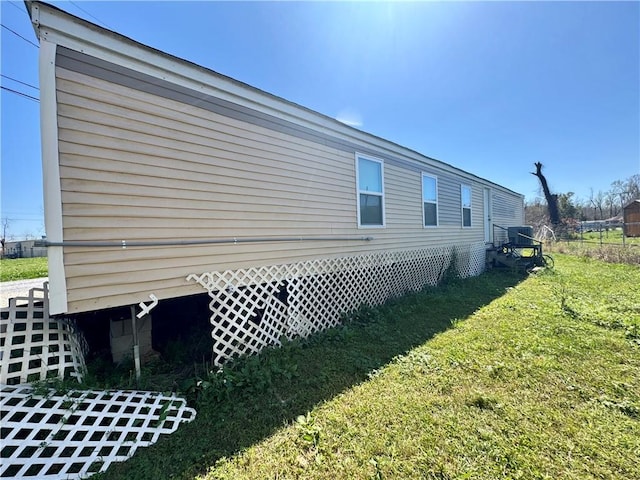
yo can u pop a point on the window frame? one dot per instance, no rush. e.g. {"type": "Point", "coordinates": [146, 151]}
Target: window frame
{"type": "Point", "coordinates": [358, 157]}
{"type": "Point", "coordinates": [435, 179]}
{"type": "Point", "coordinates": [462, 206]}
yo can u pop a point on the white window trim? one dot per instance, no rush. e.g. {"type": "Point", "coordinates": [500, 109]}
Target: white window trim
{"type": "Point", "coordinates": [424, 174]}
{"type": "Point", "coordinates": [462, 207]}
{"type": "Point", "coordinates": [358, 156]}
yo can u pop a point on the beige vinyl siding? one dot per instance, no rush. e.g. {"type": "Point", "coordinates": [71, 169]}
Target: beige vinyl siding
{"type": "Point", "coordinates": [507, 210]}
{"type": "Point", "coordinates": [402, 205]}
{"type": "Point", "coordinates": [131, 171]}
{"type": "Point", "coordinates": [449, 209]}
{"type": "Point", "coordinates": [138, 167]}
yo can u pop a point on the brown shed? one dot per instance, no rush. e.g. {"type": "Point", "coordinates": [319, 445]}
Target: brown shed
{"type": "Point", "coordinates": [631, 219]}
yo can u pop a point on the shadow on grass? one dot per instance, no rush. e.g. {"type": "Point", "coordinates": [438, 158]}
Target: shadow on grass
{"type": "Point", "coordinates": [275, 387]}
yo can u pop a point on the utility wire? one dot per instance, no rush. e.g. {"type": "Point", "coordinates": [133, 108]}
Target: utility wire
{"type": "Point", "coordinates": [23, 11]}
{"type": "Point", "coordinates": [95, 18]}
{"type": "Point", "coordinates": [16, 33]}
{"type": "Point", "coordinates": [18, 81]}
{"type": "Point", "coordinates": [35, 99]}
{"type": "Point", "coordinates": [73, 3]}
{"type": "Point", "coordinates": [31, 219]}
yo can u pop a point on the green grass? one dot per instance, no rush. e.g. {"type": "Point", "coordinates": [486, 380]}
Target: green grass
{"type": "Point", "coordinates": [609, 250]}
{"type": "Point", "coordinates": [614, 237]}
{"type": "Point", "coordinates": [23, 268]}
{"type": "Point", "coordinates": [487, 378]}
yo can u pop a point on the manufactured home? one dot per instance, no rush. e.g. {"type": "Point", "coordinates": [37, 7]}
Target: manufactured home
{"type": "Point", "coordinates": [165, 179]}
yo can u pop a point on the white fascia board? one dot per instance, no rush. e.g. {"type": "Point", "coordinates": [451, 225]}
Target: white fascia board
{"type": "Point", "coordinates": [51, 177]}
{"type": "Point", "coordinates": [64, 29]}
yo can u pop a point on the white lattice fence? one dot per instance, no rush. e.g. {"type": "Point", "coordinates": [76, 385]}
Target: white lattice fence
{"type": "Point", "coordinates": [80, 433]}
{"type": "Point", "coordinates": [34, 346]}
{"type": "Point", "coordinates": [254, 308]}
{"type": "Point", "coordinates": [471, 260]}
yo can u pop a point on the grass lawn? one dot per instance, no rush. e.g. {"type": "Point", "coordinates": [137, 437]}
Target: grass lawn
{"type": "Point", "coordinates": [609, 248]}
{"type": "Point", "coordinates": [613, 236]}
{"type": "Point", "coordinates": [490, 377]}
{"type": "Point", "coordinates": [23, 268]}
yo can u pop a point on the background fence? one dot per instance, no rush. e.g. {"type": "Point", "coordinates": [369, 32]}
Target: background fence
{"type": "Point", "coordinates": [593, 233]}
{"type": "Point", "coordinates": [601, 234]}
{"type": "Point", "coordinates": [606, 243]}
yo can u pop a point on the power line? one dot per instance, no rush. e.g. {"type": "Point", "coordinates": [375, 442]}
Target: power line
{"type": "Point", "coordinates": [23, 11]}
{"type": "Point", "coordinates": [73, 3]}
{"type": "Point", "coordinates": [19, 93]}
{"type": "Point", "coordinates": [18, 81]}
{"type": "Point", "coordinates": [26, 212]}
{"type": "Point", "coordinates": [32, 220]}
{"type": "Point", "coordinates": [16, 33]}
{"type": "Point", "coordinates": [95, 18]}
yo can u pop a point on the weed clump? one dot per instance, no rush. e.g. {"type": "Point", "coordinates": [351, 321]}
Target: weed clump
{"type": "Point", "coordinates": [629, 255]}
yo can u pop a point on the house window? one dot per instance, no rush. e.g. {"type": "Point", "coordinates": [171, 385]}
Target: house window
{"type": "Point", "coordinates": [370, 179]}
{"type": "Point", "coordinates": [465, 197]}
{"type": "Point", "coordinates": [429, 200]}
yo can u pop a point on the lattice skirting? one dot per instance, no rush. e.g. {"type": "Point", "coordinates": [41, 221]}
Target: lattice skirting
{"type": "Point", "coordinates": [82, 432]}
{"type": "Point", "coordinates": [256, 307]}
{"type": "Point", "coordinates": [34, 346]}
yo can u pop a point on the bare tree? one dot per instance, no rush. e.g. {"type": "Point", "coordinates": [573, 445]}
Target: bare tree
{"type": "Point", "coordinates": [632, 186]}
{"type": "Point", "coordinates": [552, 200]}
{"type": "Point", "coordinates": [611, 203]}
{"type": "Point", "coordinates": [597, 201]}
{"type": "Point", "coordinates": [5, 227]}
{"type": "Point", "coordinates": [619, 189]}
{"type": "Point", "coordinates": [535, 213]}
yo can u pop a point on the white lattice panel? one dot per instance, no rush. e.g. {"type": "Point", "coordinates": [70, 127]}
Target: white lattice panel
{"type": "Point", "coordinates": [82, 432]}
{"type": "Point", "coordinates": [476, 263]}
{"type": "Point", "coordinates": [34, 346]}
{"type": "Point", "coordinates": [254, 308]}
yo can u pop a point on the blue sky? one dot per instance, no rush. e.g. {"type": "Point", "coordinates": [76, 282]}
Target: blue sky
{"type": "Point", "coordinates": [489, 87]}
